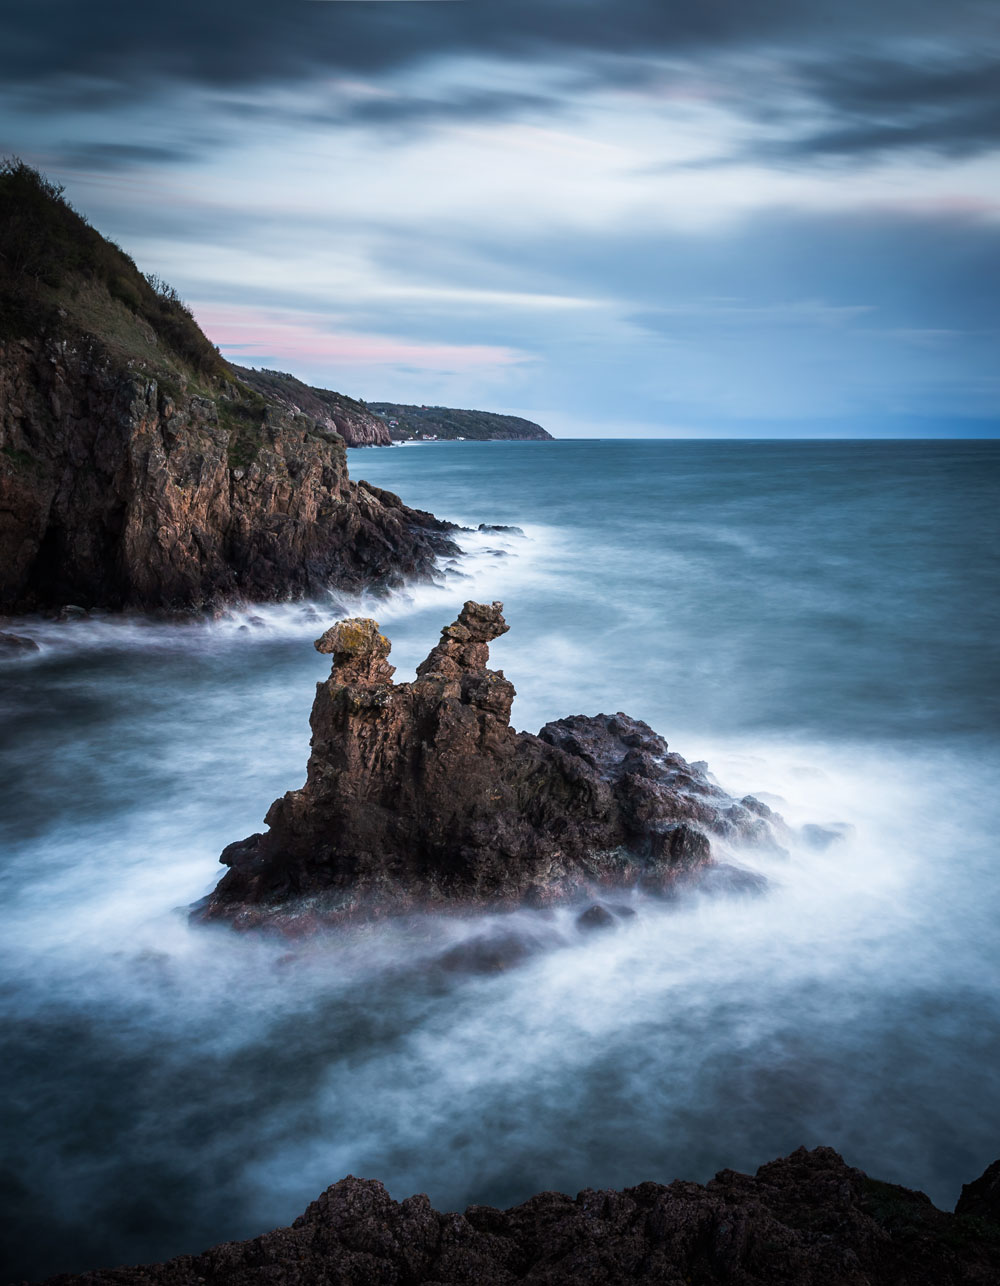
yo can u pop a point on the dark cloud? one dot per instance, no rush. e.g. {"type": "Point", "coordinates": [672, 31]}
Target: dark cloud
{"type": "Point", "coordinates": [951, 106]}
{"type": "Point", "coordinates": [843, 58]}
{"type": "Point", "coordinates": [223, 43]}
{"type": "Point", "coordinates": [121, 156]}
{"type": "Point", "coordinates": [402, 111]}
{"type": "Point", "coordinates": [482, 104]}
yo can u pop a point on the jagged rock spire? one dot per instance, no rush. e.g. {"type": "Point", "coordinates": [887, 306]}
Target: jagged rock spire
{"type": "Point", "coordinates": [464, 644]}
{"type": "Point", "coordinates": [359, 652]}
{"type": "Point", "coordinates": [421, 794]}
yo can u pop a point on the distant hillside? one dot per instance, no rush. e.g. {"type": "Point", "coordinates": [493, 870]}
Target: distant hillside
{"type": "Point", "coordinates": [138, 468]}
{"type": "Point", "coordinates": [415, 422]}
{"type": "Point", "coordinates": [351, 419]}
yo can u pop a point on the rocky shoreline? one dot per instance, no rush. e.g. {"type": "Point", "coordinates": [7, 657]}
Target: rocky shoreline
{"type": "Point", "coordinates": [807, 1219]}
{"type": "Point", "coordinates": [421, 796]}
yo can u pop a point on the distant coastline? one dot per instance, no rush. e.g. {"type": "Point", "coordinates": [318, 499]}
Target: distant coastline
{"type": "Point", "coordinates": [449, 424]}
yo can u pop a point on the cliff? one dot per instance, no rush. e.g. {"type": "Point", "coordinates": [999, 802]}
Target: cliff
{"type": "Point", "coordinates": [137, 468]}
{"type": "Point", "coordinates": [421, 795]}
{"type": "Point", "coordinates": [804, 1220]}
{"type": "Point", "coordinates": [413, 422]}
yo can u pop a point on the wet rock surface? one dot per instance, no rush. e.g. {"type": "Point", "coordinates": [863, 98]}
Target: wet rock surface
{"type": "Point", "coordinates": [804, 1220]}
{"type": "Point", "coordinates": [422, 796]}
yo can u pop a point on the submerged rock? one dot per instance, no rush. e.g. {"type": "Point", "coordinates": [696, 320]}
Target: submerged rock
{"type": "Point", "coordinates": [500, 527]}
{"type": "Point", "coordinates": [821, 837]}
{"type": "Point", "coordinates": [804, 1220]}
{"type": "Point", "coordinates": [595, 917]}
{"type": "Point", "coordinates": [19, 643]}
{"type": "Point", "coordinates": [494, 952]}
{"type": "Point", "coordinates": [421, 795]}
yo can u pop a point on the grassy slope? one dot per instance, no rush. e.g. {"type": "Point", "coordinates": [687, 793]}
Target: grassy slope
{"type": "Point", "coordinates": [58, 274]}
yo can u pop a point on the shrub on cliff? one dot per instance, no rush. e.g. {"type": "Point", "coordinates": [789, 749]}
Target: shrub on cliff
{"type": "Point", "coordinates": [48, 251]}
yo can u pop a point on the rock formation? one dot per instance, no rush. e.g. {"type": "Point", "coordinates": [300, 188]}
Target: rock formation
{"type": "Point", "coordinates": [137, 469]}
{"type": "Point", "coordinates": [805, 1220]}
{"type": "Point", "coordinates": [421, 795]}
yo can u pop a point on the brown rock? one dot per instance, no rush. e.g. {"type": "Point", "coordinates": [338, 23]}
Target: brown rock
{"type": "Point", "coordinates": [139, 469]}
{"type": "Point", "coordinates": [595, 917]}
{"type": "Point", "coordinates": [120, 495]}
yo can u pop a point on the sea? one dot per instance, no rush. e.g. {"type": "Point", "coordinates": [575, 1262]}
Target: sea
{"type": "Point", "coordinates": [819, 621]}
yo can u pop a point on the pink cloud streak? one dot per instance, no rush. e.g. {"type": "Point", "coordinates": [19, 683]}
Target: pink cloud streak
{"type": "Point", "coordinates": [276, 335]}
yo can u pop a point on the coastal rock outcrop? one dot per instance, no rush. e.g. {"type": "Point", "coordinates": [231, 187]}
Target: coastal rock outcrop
{"type": "Point", "coordinates": [805, 1220]}
{"type": "Point", "coordinates": [137, 467]}
{"type": "Point", "coordinates": [116, 492]}
{"type": "Point", "coordinates": [421, 795]}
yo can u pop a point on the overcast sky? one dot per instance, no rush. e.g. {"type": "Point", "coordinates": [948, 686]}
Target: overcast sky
{"type": "Point", "coordinates": [634, 217]}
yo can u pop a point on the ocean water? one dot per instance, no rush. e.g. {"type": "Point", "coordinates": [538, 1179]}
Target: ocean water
{"type": "Point", "coordinates": [818, 620]}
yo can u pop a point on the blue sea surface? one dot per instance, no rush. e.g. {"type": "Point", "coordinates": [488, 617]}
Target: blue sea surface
{"type": "Point", "coordinates": [818, 620]}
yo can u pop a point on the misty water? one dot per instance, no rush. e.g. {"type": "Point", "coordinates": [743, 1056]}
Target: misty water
{"type": "Point", "coordinates": [819, 621]}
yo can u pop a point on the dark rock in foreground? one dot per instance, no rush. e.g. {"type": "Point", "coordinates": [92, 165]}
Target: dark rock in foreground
{"type": "Point", "coordinates": [981, 1199]}
{"type": "Point", "coordinates": [805, 1220]}
{"type": "Point", "coordinates": [421, 796]}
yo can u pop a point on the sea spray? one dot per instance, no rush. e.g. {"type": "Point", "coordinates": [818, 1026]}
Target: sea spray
{"type": "Point", "coordinates": [174, 1086]}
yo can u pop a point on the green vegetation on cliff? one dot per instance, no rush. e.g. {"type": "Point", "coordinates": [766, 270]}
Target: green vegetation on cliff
{"type": "Point", "coordinates": [412, 423]}
{"type": "Point", "coordinates": [347, 416]}
{"type": "Point", "coordinates": [57, 273]}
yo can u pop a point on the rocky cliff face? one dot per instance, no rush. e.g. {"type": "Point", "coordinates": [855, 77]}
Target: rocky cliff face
{"type": "Point", "coordinates": [421, 795]}
{"type": "Point", "coordinates": [117, 489]}
{"type": "Point", "coordinates": [805, 1220]}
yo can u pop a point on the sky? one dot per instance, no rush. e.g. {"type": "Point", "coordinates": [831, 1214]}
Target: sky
{"type": "Point", "coordinates": [728, 218]}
